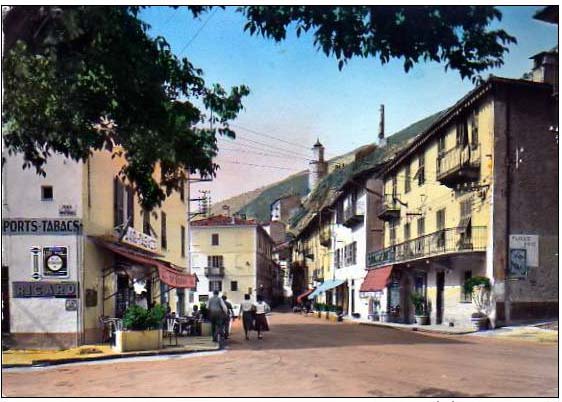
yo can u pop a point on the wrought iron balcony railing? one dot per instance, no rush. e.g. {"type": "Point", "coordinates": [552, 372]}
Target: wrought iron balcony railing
{"type": "Point", "coordinates": [214, 271]}
{"type": "Point", "coordinates": [390, 208]}
{"type": "Point", "coordinates": [458, 165]}
{"type": "Point", "coordinates": [445, 241]}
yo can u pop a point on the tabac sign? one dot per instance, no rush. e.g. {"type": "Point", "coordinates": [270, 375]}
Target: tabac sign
{"type": "Point", "coordinates": [56, 226]}
{"type": "Point", "coordinates": [139, 239]}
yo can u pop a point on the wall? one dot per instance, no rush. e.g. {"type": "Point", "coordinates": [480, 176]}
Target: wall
{"type": "Point", "coordinates": [41, 322]}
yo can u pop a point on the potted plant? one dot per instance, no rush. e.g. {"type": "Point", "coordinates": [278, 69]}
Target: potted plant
{"type": "Point", "coordinates": [142, 329]}
{"type": "Point", "coordinates": [385, 317]}
{"type": "Point", "coordinates": [480, 289]}
{"type": "Point", "coordinates": [420, 308]}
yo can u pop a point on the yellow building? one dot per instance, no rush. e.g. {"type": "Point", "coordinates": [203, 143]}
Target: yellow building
{"type": "Point", "coordinates": [456, 198]}
{"type": "Point", "coordinates": [234, 256]}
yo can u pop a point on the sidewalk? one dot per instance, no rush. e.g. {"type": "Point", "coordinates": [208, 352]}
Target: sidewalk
{"type": "Point", "coordinates": [29, 358]}
{"type": "Point", "coordinates": [437, 329]}
{"type": "Point", "coordinates": [542, 333]}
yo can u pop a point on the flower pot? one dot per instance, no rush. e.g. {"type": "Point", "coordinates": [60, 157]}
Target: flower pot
{"type": "Point", "coordinates": [422, 319]}
{"type": "Point", "coordinates": [129, 341]}
{"type": "Point", "coordinates": [479, 323]}
{"type": "Point", "coordinates": [385, 317]}
{"type": "Point", "coordinates": [206, 329]}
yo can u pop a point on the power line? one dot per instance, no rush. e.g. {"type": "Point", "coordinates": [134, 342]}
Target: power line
{"type": "Point", "coordinates": [269, 136]}
{"type": "Point", "coordinates": [258, 153]}
{"type": "Point", "coordinates": [267, 149]}
{"type": "Point", "coordinates": [198, 32]}
{"type": "Point", "coordinates": [256, 165]}
{"type": "Point", "coordinates": [270, 147]}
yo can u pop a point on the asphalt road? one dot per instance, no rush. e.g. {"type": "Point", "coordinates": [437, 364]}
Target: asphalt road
{"type": "Point", "coordinates": [306, 356]}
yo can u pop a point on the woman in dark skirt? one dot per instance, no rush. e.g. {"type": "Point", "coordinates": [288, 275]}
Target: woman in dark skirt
{"type": "Point", "coordinates": [248, 309]}
{"type": "Point", "coordinates": [262, 308]}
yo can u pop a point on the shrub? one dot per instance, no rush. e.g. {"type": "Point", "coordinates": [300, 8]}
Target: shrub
{"type": "Point", "coordinates": [204, 311]}
{"type": "Point", "coordinates": [139, 319]}
{"type": "Point", "coordinates": [470, 283]}
{"type": "Point", "coordinates": [418, 300]}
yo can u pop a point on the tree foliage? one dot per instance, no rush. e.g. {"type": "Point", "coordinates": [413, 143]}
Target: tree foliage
{"type": "Point", "coordinates": [78, 79]}
{"type": "Point", "coordinates": [82, 78]}
{"type": "Point", "coordinates": [458, 36]}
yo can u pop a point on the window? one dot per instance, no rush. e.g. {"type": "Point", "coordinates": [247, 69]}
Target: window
{"type": "Point", "coordinates": [421, 170]}
{"type": "Point", "coordinates": [214, 261]}
{"type": "Point", "coordinates": [250, 291]}
{"type": "Point", "coordinates": [146, 222]}
{"type": "Point", "coordinates": [350, 254]}
{"type": "Point", "coordinates": [182, 239]}
{"type": "Point", "coordinates": [466, 297]}
{"type": "Point", "coordinates": [215, 239]}
{"type": "Point", "coordinates": [46, 193]}
{"type": "Point", "coordinates": [339, 212]}
{"type": "Point", "coordinates": [130, 206]}
{"type": "Point", "coordinates": [392, 233]}
{"type": "Point", "coordinates": [394, 186]}
{"type": "Point", "coordinates": [338, 258]}
{"type": "Point", "coordinates": [441, 145]}
{"type": "Point", "coordinates": [407, 232]}
{"type": "Point", "coordinates": [163, 236]}
{"type": "Point", "coordinates": [215, 285]}
{"type": "Point", "coordinates": [180, 302]}
{"type": "Point", "coordinates": [421, 226]}
{"type": "Point", "coordinates": [118, 212]}
{"type": "Point", "coordinates": [474, 130]}
{"type": "Point", "coordinates": [234, 286]}
{"type": "Point", "coordinates": [440, 219]}
{"type": "Point", "coordinates": [407, 184]}
{"type": "Point", "coordinates": [462, 133]}
{"type": "Point", "coordinates": [164, 295]}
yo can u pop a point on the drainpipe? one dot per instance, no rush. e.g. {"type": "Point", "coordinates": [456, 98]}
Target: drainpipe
{"type": "Point", "coordinates": [508, 199]}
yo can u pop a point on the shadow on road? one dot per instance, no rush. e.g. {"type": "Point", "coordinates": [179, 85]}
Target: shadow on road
{"type": "Point", "coordinates": [445, 393]}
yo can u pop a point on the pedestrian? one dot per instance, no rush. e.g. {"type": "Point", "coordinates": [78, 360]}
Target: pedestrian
{"type": "Point", "coordinates": [229, 315]}
{"type": "Point", "coordinates": [248, 310]}
{"type": "Point", "coordinates": [262, 308]}
{"type": "Point", "coordinates": [217, 311]}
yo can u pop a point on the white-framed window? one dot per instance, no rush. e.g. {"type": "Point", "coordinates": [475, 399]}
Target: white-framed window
{"type": "Point", "coordinates": [215, 285]}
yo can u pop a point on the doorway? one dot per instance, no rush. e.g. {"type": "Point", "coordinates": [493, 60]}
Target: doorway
{"type": "Point", "coordinates": [440, 282]}
{"type": "Point", "coordinates": [5, 288]}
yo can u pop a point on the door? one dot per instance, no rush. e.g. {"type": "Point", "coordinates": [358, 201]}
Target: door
{"type": "Point", "coordinates": [440, 281]}
{"type": "Point", "coordinates": [5, 301]}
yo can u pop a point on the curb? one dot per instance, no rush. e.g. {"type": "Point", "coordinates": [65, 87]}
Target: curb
{"type": "Point", "coordinates": [419, 329]}
{"type": "Point", "coordinates": [47, 362]}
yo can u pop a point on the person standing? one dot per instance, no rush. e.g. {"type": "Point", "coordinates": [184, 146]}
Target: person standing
{"type": "Point", "coordinates": [229, 315]}
{"type": "Point", "coordinates": [217, 311]}
{"type": "Point", "coordinates": [262, 308]}
{"type": "Point", "coordinates": [247, 310]}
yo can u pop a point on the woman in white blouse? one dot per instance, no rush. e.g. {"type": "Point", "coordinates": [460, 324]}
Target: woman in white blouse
{"type": "Point", "coordinates": [262, 308]}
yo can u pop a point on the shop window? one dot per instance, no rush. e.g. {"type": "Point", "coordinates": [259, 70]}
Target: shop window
{"type": "Point", "coordinates": [234, 286]}
{"type": "Point", "coordinates": [466, 297]}
{"type": "Point", "coordinates": [46, 193]}
{"type": "Point", "coordinates": [215, 239]}
{"type": "Point", "coordinates": [215, 285]}
{"type": "Point", "coordinates": [163, 234]}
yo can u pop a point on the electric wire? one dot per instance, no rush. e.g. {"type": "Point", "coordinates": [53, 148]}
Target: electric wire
{"type": "Point", "coordinates": [266, 149]}
{"type": "Point", "coordinates": [259, 153]}
{"type": "Point", "coordinates": [257, 165]}
{"type": "Point", "coordinates": [197, 33]}
{"type": "Point", "coordinates": [269, 136]}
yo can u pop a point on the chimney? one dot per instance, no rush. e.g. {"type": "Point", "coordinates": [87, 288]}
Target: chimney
{"type": "Point", "coordinates": [545, 67]}
{"type": "Point", "coordinates": [382, 140]}
{"type": "Point", "coordinates": [318, 167]}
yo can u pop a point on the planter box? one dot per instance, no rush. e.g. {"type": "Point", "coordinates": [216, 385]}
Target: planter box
{"type": "Point", "coordinates": [324, 315]}
{"type": "Point", "coordinates": [206, 329]}
{"type": "Point", "coordinates": [130, 341]}
{"type": "Point", "coordinates": [422, 319]}
{"type": "Point", "coordinates": [333, 317]}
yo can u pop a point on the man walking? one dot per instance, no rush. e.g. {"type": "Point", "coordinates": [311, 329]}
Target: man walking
{"type": "Point", "coordinates": [227, 317]}
{"type": "Point", "coordinates": [217, 312]}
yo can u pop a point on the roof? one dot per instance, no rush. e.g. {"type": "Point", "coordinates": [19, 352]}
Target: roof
{"type": "Point", "coordinates": [223, 220]}
{"type": "Point", "coordinates": [547, 14]}
{"type": "Point", "coordinates": [330, 188]}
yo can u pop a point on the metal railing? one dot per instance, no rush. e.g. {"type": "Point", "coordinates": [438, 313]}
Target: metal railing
{"type": "Point", "coordinates": [214, 271]}
{"type": "Point", "coordinates": [445, 241]}
{"type": "Point", "coordinates": [390, 203]}
{"type": "Point", "coordinates": [458, 157]}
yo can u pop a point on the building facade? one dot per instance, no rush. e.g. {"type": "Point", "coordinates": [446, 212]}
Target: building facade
{"type": "Point", "coordinates": [77, 247]}
{"type": "Point", "coordinates": [234, 256]}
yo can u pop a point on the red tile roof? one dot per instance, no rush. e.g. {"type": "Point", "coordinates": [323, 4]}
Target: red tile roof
{"type": "Point", "coordinates": [222, 220]}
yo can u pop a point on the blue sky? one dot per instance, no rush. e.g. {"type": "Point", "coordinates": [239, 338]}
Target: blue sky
{"type": "Point", "coordinates": [298, 94]}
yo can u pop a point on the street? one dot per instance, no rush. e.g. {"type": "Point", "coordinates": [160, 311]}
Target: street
{"type": "Point", "coordinates": [307, 356]}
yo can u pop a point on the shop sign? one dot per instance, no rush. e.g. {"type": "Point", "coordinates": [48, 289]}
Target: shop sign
{"type": "Point", "coordinates": [139, 239]}
{"type": "Point", "coordinates": [67, 290]}
{"type": "Point", "coordinates": [55, 261]}
{"type": "Point", "coordinates": [530, 243]}
{"type": "Point", "coordinates": [67, 210]}
{"type": "Point", "coordinates": [58, 226]}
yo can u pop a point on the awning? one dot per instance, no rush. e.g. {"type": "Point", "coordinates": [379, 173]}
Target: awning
{"type": "Point", "coordinates": [324, 286]}
{"type": "Point", "coordinates": [463, 224]}
{"type": "Point", "coordinates": [376, 279]}
{"type": "Point", "coordinates": [170, 276]}
{"type": "Point", "coordinates": [302, 296]}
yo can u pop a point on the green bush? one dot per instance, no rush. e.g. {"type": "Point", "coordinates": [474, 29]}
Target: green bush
{"type": "Point", "coordinates": [418, 300]}
{"type": "Point", "coordinates": [204, 310]}
{"type": "Point", "coordinates": [470, 283]}
{"type": "Point", "coordinates": [139, 319]}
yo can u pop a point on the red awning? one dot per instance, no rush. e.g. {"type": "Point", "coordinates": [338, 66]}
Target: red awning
{"type": "Point", "coordinates": [376, 279]}
{"type": "Point", "coordinates": [302, 296]}
{"type": "Point", "coordinates": [170, 276]}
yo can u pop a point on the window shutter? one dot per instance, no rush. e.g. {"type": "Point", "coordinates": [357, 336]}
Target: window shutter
{"type": "Point", "coordinates": [131, 205]}
{"type": "Point", "coordinates": [115, 187]}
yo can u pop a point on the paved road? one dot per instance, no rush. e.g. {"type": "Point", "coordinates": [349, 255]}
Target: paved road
{"type": "Point", "coordinates": [305, 356]}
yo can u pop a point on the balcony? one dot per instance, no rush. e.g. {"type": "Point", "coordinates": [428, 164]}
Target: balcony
{"type": "Point", "coordinates": [390, 208]}
{"type": "Point", "coordinates": [352, 216]}
{"type": "Point", "coordinates": [326, 237]}
{"type": "Point", "coordinates": [459, 165]}
{"type": "Point", "coordinates": [214, 271]}
{"type": "Point", "coordinates": [318, 275]}
{"type": "Point", "coordinates": [442, 242]}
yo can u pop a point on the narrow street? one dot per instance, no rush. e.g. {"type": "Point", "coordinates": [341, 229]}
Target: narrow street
{"type": "Point", "coordinates": [306, 356]}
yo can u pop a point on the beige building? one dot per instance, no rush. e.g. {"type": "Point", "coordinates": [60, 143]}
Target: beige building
{"type": "Point", "coordinates": [234, 256]}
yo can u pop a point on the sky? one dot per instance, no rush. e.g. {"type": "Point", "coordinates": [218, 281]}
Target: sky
{"type": "Point", "coordinates": [298, 94]}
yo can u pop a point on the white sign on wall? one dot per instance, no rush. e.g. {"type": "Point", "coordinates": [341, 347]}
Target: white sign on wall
{"type": "Point", "coordinates": [529, 243]}
{"type": "Point", "coordinates": [139, 239]}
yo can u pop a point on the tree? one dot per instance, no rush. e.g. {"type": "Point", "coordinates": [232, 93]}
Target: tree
{"type": "Point", "coordinates": [81, 78]}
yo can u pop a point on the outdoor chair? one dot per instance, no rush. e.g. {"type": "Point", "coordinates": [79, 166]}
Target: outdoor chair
{"type": "Point", "coordinates": [170, 330]}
